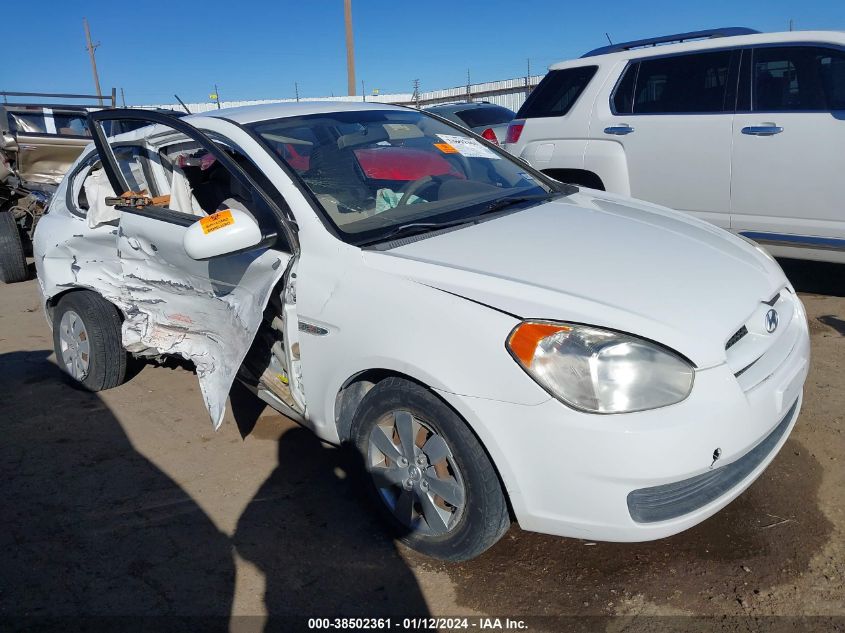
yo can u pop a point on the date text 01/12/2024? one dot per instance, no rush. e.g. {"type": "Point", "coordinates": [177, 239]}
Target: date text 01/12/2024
{"type": "Point", "coordinates": [418, 624]}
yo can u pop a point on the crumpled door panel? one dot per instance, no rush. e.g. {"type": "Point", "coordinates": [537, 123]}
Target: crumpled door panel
{"type": "Point", "coordinates": [205, 311]}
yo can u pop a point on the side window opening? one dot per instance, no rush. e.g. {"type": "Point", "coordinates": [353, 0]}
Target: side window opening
{"type": "Point", "coordinates": [679, 84]}
{"type": "Point", "coordinates": [131, 160]}
{"type": "Point", "coordinates": [557, 92]}
{"type": "Point", "coordinates": [89, 187]}
{"type": "Point", "coordinates": [623, 96]}
{"type": "Point", "coordinates": [178, 173]}
{"type": "Point", "coordinates": [201, 185]}
{"type": "Point", "coordinates": [798, 79]}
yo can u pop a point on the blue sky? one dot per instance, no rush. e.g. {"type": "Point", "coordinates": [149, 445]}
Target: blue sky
{"type": "Point", "coordinates": [258, 50]}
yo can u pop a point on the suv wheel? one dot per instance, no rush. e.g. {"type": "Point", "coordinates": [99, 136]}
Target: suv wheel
{"type": "Point", "coordinates": [12, 260]}
{"type": "Point", "coordinates": [428, 473]}
{"type": "Point", "coordinates": [87, 340]}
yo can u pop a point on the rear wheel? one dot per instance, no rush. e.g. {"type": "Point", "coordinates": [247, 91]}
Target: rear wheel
{"type": "Point", "coordinates": [428, 473]}
{"type": "Point", "coordinates": [87, 340]}
{"type": "Point", "coordinates": [12, 260]}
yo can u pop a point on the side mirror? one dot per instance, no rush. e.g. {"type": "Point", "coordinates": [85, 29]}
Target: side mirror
{"type": "Point", "coordinates": [221, 233]}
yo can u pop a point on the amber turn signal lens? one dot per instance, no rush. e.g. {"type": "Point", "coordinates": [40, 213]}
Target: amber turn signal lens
{"type": "Point", "coordinates": [525, 338]}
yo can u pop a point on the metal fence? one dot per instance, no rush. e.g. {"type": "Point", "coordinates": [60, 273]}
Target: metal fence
{"type": "Point", "coordinates": [509, 93]}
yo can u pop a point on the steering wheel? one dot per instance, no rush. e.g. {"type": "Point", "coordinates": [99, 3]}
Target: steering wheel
{"type": "Point", "coordinates": [415, 185]}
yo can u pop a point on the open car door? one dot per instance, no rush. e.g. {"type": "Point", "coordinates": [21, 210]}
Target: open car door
{"type": "Point", "coordinates": [206, 309]}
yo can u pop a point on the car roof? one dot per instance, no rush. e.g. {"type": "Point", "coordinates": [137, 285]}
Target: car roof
{"type": "Point", "coordinates": [261, 112]}
{"type": "Point", "coordinates": [786, 37]}
{"type": "Point", "coordinates": [269, 111]}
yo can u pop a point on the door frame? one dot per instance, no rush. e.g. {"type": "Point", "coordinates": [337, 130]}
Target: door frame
{"type": "Point", "coordinates": [270, 222]}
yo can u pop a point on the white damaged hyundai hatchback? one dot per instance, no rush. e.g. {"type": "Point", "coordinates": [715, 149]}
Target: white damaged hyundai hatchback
{"type": "Point", "coordinates": [496, 345]}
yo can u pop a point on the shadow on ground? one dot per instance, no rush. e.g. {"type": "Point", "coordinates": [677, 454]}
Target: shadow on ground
{"type": "Point", "coordinates": [821, 278]}
{"type": "Point", "coordinates": [89, 526]}
{"type": "Point", "coordinates": [321, 548]}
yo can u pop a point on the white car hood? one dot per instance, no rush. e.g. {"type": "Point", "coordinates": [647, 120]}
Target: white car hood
{"type": "Point", "coordinates": [606, 261]}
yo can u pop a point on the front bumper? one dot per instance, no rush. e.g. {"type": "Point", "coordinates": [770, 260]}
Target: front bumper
{"type": "Point", "coordinates": [573, 474]}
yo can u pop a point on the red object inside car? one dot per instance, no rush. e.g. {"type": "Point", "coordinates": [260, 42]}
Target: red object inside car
{"type": "Point", "coordinates": [402, 163]}
{"type": "Point", "coordinates": [300, 162]}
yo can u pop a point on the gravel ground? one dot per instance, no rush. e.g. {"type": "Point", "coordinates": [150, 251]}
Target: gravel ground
{"type": "Point", "coordinates": [128, 503]}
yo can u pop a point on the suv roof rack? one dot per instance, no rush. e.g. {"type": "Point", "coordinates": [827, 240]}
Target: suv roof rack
{"type": "Point", "coordinates": [728, 31]}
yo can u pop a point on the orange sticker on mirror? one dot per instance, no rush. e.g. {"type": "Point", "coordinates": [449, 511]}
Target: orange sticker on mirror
{"type": "Point", "coordinates": [446, 148]}
{"type": "Point", "coordinates": [216, 221]}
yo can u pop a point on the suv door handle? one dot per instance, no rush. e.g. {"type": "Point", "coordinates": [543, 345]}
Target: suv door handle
{"type": "Point", "coordinates": [619, 130]}
{"type": "Point", "coordinates": [762, 130]}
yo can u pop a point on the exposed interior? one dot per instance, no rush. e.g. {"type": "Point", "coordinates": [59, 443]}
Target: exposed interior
{"type": "Point", "coordinates": [178, 174]}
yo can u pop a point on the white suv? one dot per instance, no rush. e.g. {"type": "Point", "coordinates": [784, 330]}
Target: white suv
{"type": "Point", "coordinates": [743, 129]}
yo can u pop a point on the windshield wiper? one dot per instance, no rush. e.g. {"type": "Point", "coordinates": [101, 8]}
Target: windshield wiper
{"type": "Point", "coordinates": [414, 228]}
{"type": "Point", "coordinates": [509, 201]}
{"type": "Point", "coordinates": [417, 228]}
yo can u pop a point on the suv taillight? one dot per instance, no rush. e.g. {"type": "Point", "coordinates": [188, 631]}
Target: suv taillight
{"type": "Point", "coordinates": [514, 130]}
{"type": "Point", "coordinates": [490, 135]}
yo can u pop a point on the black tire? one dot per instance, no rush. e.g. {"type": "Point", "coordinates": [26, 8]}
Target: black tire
{"type": "Point", "coordinates": [102, 322]}
{"type": "Point", "coordinates": [484, 518]}
{"type": "Point", "coordinates": [12, 259]}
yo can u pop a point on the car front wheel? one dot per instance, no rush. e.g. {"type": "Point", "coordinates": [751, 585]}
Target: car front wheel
{"type": "Point", "coordinates": [87, 340]}
{"type": "Point", "coordinates": [428, 473]}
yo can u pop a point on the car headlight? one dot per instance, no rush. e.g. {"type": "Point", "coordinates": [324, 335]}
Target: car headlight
{"type": "Point", "coordinates": [600, 371]}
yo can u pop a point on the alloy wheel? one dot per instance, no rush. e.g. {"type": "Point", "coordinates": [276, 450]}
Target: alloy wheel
{"type": "Point", "coordinates": [415, 474]}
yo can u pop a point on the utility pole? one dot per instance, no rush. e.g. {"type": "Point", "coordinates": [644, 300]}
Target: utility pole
{"type": "Point", "coordinates": [122, 97]}
{"type": "Point", "coordinates": [90, 46]}
{"type": "Point", "coordinates": [350, 48]}
{"type": "Point", "coordinates": [469, 94]}
{"type": "Point", "coordinates": [296, 90]}
{"type": "Point", "coordinates": [528, 76]}
{"type": "Point", "coordinates": [416, 96]}
{"type": "Point", "coordinates": [363, 92]}
{"type": "Point", "coordinates": [790, 24]}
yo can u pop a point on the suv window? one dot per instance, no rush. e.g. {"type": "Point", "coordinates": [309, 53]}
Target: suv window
{"type": "Point", "coordinates": [48, 121]}
{"type": "Point", "coordinates": [677, 85]}
{"type": "Point", "coordinates": [557, 93]}
{"type": "Point", "coordinates": [482, 116]}
{"type": "Point", "coordinates": [798, 78]}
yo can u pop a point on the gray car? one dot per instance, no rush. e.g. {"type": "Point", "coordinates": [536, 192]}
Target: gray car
{"type": "Point", "coordinates": [485, 119]}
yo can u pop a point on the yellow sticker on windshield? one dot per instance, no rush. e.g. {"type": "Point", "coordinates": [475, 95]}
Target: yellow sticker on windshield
{"type": "Point", "coordinates": [446, 148]}
{"type": "Point", "coordinates": [216, 221]}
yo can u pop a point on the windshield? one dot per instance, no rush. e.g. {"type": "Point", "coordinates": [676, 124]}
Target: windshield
{"type": "Point", "coordinates": [374, 171]}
